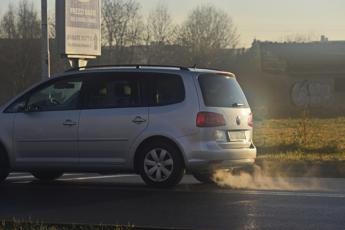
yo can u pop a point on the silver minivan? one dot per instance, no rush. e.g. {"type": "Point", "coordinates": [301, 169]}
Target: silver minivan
{"type": "Point", "coordinates": [159, 122]}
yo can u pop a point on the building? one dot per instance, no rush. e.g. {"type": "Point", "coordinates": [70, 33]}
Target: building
{"type": "Point", "coordinates": [295, 76]}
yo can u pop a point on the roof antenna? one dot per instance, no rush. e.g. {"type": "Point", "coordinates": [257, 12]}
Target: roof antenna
{"type": "Point", "coordinates": [194, 66]}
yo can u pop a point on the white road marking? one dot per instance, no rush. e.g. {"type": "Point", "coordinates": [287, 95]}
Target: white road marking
{"type": "Point", "coordinates": [67, 179]}
{"type": "Point", "coordinates": [96, 177]}
{"type": "Point", "coordinates": [16, 174]}
{"type": "Point", "coordinates": [73, 174]}
{"type": "Point", "coordinates": [20, 177]}
{"type": "Point", "coordinates": [28, 175]}
{"type": "Point", "coordinates": [216, 190]}
{"type": "Point", "coordinates": [336, 194]}
{"type": "Point", "coordinates": [288, 193]}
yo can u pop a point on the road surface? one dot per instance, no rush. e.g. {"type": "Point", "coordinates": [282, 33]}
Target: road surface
{"type": "Point", "coordinates": [123, 199]}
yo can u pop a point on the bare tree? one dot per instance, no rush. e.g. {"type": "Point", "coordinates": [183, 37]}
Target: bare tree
{"type": "Point", "coordinates": [28, 24]}
{"type": "Point", "coordinates": [21, 27]}
{"type": "Point", "coordinates": [160, 26]}
{"type": "Point", "coordinates": [206, 31]}
{"type": "Point", "coordinates": [8, 24]}
{"type": "Point", "coordinates": [160, 33]}
{"type": "Point", "coordinates": [21, 22]}
{"type": "Point", "coordinates": [122, 25]}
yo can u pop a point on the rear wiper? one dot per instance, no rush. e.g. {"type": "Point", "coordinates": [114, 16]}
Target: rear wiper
{"type": "Point", "coordinates": [237, 105]}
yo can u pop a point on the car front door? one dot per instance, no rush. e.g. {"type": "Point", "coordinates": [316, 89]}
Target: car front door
{"type": "Point", "coordinates": [114, 114]}
{"type": "Point", "coordinates": [46, 131]}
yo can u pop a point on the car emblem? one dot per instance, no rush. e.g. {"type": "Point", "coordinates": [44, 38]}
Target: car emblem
{"type": "Point", "coordinates": [238, 120]}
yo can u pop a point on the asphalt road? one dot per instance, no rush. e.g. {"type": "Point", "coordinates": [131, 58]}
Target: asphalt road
{"type": "Point", "coordinates": [123, 199]}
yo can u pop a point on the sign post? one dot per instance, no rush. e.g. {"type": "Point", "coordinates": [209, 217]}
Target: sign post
{"type": "Point", "coordinates": [45, 55]}
{"type": "Point", "coordinates": [78, 27]}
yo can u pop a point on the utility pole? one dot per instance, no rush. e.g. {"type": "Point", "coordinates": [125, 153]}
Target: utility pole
{"type": "Point", "coordinates": [45, 55]}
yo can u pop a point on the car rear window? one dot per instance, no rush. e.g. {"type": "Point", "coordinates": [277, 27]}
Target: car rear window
{"type": "Point", "coordinates": [221, 91]}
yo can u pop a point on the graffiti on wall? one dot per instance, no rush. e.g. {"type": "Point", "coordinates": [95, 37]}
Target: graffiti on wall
{"type": "Point", "coordinates": [312, 93]}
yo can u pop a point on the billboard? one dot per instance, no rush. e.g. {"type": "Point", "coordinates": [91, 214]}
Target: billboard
{"type": "Point", "coordinates": [78, 28]}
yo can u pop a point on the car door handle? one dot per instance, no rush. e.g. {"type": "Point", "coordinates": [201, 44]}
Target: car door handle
{"type": "Point", "coordinates": [138, 120]}
{"type": "Point", "coordinates": [69, 123]}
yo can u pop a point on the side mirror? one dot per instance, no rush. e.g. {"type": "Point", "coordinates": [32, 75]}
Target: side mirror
{"type": "Point", "coordinates": [32, 108]}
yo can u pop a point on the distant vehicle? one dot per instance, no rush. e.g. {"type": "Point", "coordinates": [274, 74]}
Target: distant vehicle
{"type": "Point", "coordinates": [159, 122]}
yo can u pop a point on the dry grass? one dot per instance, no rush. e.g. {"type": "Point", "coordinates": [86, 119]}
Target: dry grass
{"type": "Point", "coordinates": [307, 139]}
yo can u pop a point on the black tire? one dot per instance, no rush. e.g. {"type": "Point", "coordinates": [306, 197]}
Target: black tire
{"type": "Point", "coordinates": [173, 162]}
{"type": "Point", "coordinates": [205, 178]}
{"type": "Point", "coordinates": [4, 165]}
{"type": "Point", "coordinates": [47, 176]}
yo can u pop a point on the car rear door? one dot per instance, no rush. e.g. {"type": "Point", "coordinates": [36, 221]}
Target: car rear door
{"type": "Point", "coordinates": [114, 114]}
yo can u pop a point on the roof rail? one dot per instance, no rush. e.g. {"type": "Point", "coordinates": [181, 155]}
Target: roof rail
{"type": "Point", "coordinates": [124, 66]}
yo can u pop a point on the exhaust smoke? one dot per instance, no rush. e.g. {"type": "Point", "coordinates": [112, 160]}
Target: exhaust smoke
{"type": "Point", "coordinates": [262, 179]}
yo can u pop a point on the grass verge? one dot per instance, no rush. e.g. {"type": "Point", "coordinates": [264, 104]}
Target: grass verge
{"type": "Point", "coordinates": [305, 139]}
{"type": "Point", "coordinates": [301, 147]}
{"type": "Point", "coordinates": [16, 225]}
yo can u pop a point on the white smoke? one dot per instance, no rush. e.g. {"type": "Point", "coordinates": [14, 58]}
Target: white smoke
{"type": "Point", "coordinates": [261, 179]}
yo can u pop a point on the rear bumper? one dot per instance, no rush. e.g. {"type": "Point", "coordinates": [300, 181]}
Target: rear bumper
{"type": "Point", "coordinates": [203, 161]}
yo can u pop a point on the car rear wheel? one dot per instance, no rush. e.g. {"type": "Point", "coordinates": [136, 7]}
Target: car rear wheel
{"type": "Point", "coordinates": [47, 176]}
{"type": "Point", "coordinates": [161, 165]}
{"type": "Point", "coordinates": [205, 178]}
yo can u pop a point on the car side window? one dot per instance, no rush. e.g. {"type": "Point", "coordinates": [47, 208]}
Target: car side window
{"type": "Point", "coordinates": [60, 95]}
{"type": "Point", "coordinates": [113, 92]}
{"type": "Point", "coordinates": [167, 90]}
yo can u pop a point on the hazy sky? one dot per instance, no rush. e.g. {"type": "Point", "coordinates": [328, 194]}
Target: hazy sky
{"type": "Point", "coordinates": [261, 19]}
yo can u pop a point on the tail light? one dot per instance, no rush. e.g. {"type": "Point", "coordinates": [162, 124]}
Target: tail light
{"type": "Point", "coordinates": [250, 120]}
{"type": "Point", "coordinates": [209, 119]}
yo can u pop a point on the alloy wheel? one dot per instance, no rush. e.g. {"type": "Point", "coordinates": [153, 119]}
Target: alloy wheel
{"type": "Point", "coordinates": [158, 164]}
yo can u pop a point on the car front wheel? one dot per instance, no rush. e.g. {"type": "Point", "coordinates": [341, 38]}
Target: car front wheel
{"type": "Point", "coordinates": [161, 165]}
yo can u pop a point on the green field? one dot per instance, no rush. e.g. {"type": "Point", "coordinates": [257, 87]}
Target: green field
{"type": "Point", "coordinates": [305, 139]}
